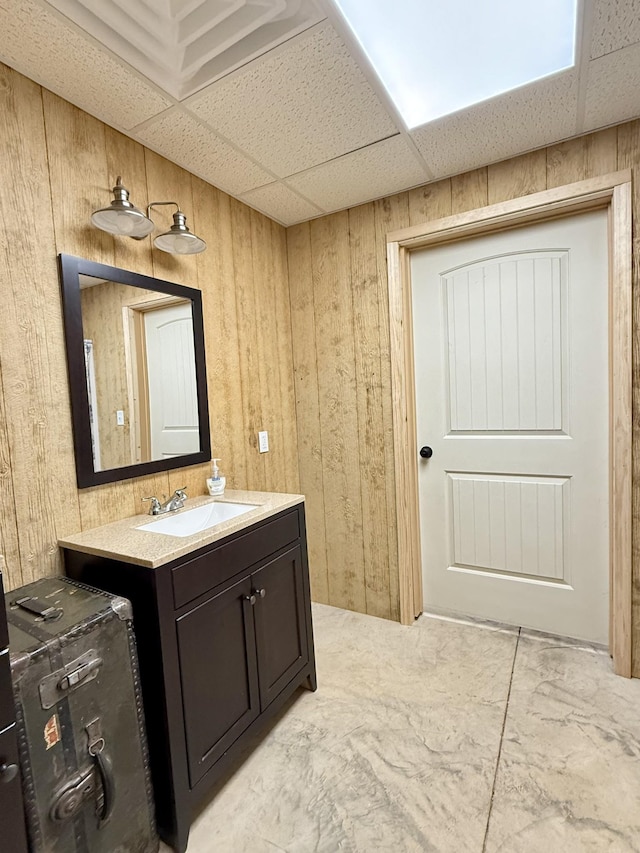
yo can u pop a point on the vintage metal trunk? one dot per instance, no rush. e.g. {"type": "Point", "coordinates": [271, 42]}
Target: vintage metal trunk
{"type": "Point", "coordinates": [80, 722]}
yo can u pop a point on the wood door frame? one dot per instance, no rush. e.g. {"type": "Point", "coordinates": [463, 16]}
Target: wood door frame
{"type": "Point", "coordinates": [613, 193]}
{"type": "Point", "coordinates": [133, 323]}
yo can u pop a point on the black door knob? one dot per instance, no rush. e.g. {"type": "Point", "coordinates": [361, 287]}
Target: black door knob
{"type": "Point", "coordinates": [8, 772]}
{"type": "Point", "coordinates": [426, 452]}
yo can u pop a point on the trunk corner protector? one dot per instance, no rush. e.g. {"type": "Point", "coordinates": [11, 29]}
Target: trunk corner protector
{"type": "Point", "coordinates": [122, 608]}
{"type": "Point", "coordinates": [19, 665]}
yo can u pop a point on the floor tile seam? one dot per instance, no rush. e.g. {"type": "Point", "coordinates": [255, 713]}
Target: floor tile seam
{"type": "Point", "coordinates": [504, 724]}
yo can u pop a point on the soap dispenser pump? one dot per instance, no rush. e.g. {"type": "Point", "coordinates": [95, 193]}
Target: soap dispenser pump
{"type": "Point", "coordinates": [216, 482]}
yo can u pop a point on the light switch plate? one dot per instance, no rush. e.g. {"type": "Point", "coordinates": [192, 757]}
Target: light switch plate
{"type": "Point", "coordinates": [263, 441]}
{"type": "Point", "coordinates": [120, 417]}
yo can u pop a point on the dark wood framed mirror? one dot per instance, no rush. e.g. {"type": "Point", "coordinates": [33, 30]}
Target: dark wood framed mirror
{"type": "Point", "coordinates": [137, 372]}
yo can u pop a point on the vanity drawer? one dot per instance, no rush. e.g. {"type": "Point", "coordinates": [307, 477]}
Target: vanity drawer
{"type": "Point", "coordinates": [195, 577]}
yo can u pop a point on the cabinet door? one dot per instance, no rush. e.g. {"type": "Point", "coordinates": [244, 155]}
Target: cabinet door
{"type": "Point", "coordinates": [216, 643]}
{"type": "Point", "coordinates": [281, 634]}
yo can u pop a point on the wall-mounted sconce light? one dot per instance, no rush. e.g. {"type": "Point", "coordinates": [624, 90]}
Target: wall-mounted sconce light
{"type": "Point", "coordinates": [178, 239]}
{"type": "Point", "coordinates": [126, 220]}
{"type": "Point", "coordinates": [122, 217]}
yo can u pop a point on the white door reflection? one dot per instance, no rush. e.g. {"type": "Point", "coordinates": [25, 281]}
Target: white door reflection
{"type": "Point", "coordinates": [141, 376]}
{"type": "Point", "coordinates": [171, 380]}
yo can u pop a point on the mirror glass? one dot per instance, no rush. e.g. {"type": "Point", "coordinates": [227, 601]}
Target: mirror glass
{"type": "Point", "coordinates": [135, 349]}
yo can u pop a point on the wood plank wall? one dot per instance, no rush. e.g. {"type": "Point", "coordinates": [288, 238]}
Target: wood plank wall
{"type": "Point", "coordinates": [59, 164]}
{"type": "Point", "coordinates": [338, 288]}
{"type": "Point", "coordinates": [330, 419]}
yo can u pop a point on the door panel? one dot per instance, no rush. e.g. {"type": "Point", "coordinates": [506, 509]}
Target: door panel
{"type": "Point", "coordinates": [171, 375]}
{"type": "Point", "coordinates": [509, 524]}
{"type": "Point", "coordinates": [280, 623]}
{"type": "Point", "coordinates": [511, 349]}
{"type": "Point", "coordinates": [216, 643]}
{"type": "Point", "coordinates": [505, 343]}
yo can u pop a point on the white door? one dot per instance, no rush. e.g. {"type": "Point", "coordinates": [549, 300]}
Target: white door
{"type": "Point", "coordinates": [511, 357]}
{"type": "Point", "coordinates": [171, 376]}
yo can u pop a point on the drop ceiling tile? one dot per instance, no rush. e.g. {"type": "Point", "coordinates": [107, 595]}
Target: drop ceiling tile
{"type": "Point", "coordinates": [281, 203]}
{"type": "Point", "coordinates": [302, 104]}
{"type": "Point", "coordinates": [613, 82]}
{"type": "Point", "coordinates": [510, 124]}
{"type": "Point", "coordinates": [381, 169]}
{"type": "Point", "coordinates": [616, 24]}
{"type": "Point", "coordinates": [39, 44]}
{"type": "Point", "coordinates": [184, 46]}
{"type": "Point", "coordinates": [181, 138]}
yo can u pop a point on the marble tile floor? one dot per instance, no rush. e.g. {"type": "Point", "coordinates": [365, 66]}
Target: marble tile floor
{"type": "Point", "coordinates": [447, 736]}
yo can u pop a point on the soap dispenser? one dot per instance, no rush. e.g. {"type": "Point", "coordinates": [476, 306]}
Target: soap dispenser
{"type": "Point", "coordinates": [216, 482]}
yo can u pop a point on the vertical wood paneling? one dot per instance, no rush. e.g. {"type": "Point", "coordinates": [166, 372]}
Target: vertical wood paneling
{"type": "Point", "coordinates": [530, 173]}
{"type": "Point", "coordinates": [430, 202]}
{"type": "Point", "coordinates": [34, 375]}
{"type": "Point", "coordinates": [310, 447]}
{"type": "Point", "coordinates": [369, 395]}
{"type": "Point", "coordinates": [333, 308]}
{"type": "Point", "coordinates": [216, 277]}
{"type": "Point", "coordinates": [63, 165]}
{"type": "Point", "coordinates": [517, 177]}
{"type": "Point", "coordinates": [282, 337]}
{"type": "Point", "coordinates": [9, 546]}
{"type": "Point", "coordinates": [79, 180]}
{"type": "Point", "coordinates": [390, 214]}
{"type": "Point", "coordinates": [247, 313]}
{"type": "Point", "coordinates": [582, 158]}
{"type": "Point", "coordinates": [469, 191]}
{"type": "Point", "coordinates": [264, 307]}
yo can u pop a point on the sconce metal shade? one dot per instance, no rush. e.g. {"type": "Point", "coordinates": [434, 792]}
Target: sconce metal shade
{"type": "Point", "coordinates": [122, 217]}
{"type": "Point", "coordinates": [179, 240]}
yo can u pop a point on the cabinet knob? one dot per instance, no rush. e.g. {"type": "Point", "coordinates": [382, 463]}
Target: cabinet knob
{"type": "Point", "coordinates": [260, 592]}
{"type": "Point", "coordinates": [8, 772]}
{"type": "Point", "coordinates": [251, 599]}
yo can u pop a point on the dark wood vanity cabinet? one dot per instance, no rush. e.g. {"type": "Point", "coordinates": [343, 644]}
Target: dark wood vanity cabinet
{"type": "Point", "coordinates": [224, 638]}
{"type": "Point", "coordinates": [13, 834]}
{"type": "Point", "coordinates": [258, 626]}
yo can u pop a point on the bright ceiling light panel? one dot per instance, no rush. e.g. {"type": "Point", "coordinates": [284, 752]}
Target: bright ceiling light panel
{"type": "Point", "coordinates": [435, 57]}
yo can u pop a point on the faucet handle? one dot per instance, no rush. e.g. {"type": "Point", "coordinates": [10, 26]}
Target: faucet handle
{"type": "Point", "coordinates": [155, 504]}
{"type": "Point", "coordinates": [181, 493]}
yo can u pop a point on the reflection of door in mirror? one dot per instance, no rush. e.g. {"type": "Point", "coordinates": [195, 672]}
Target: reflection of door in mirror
{"type": "Point", "coordinates": [136, 389]}
{"type": "Point", "coordinates": [167, 396]}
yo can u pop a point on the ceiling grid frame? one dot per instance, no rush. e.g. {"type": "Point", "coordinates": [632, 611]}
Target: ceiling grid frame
{"type": "Point", "coordinates": [331, 147]}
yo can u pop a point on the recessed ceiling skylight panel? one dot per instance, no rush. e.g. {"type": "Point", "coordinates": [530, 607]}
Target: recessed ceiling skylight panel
{"type": "Point", "coordinates": [435, 58]}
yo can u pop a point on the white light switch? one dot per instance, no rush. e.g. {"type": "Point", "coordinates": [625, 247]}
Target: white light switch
{"type": "Point", "coordinates": [120, 417]}
{"type": "Point", "coordinates": [263, 441]}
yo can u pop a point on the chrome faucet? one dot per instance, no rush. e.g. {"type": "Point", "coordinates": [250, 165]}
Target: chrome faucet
{"type": "Point", "coordinates": [176, 501]}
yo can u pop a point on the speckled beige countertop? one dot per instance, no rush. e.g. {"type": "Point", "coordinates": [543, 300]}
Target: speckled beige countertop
{"type": "Point", "coordinates": [123, 540]}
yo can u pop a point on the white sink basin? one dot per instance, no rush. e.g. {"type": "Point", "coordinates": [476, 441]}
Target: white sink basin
{"type": "Point", "coordinates": [190, 521]}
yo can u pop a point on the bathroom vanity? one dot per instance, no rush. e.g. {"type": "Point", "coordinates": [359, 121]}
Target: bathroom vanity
{"type": "Point", "coordinates": [223, 626]}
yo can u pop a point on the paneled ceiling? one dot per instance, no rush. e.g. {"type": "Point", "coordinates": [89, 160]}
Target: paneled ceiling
{"type": "Point", "coordinates": [274, 102]}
